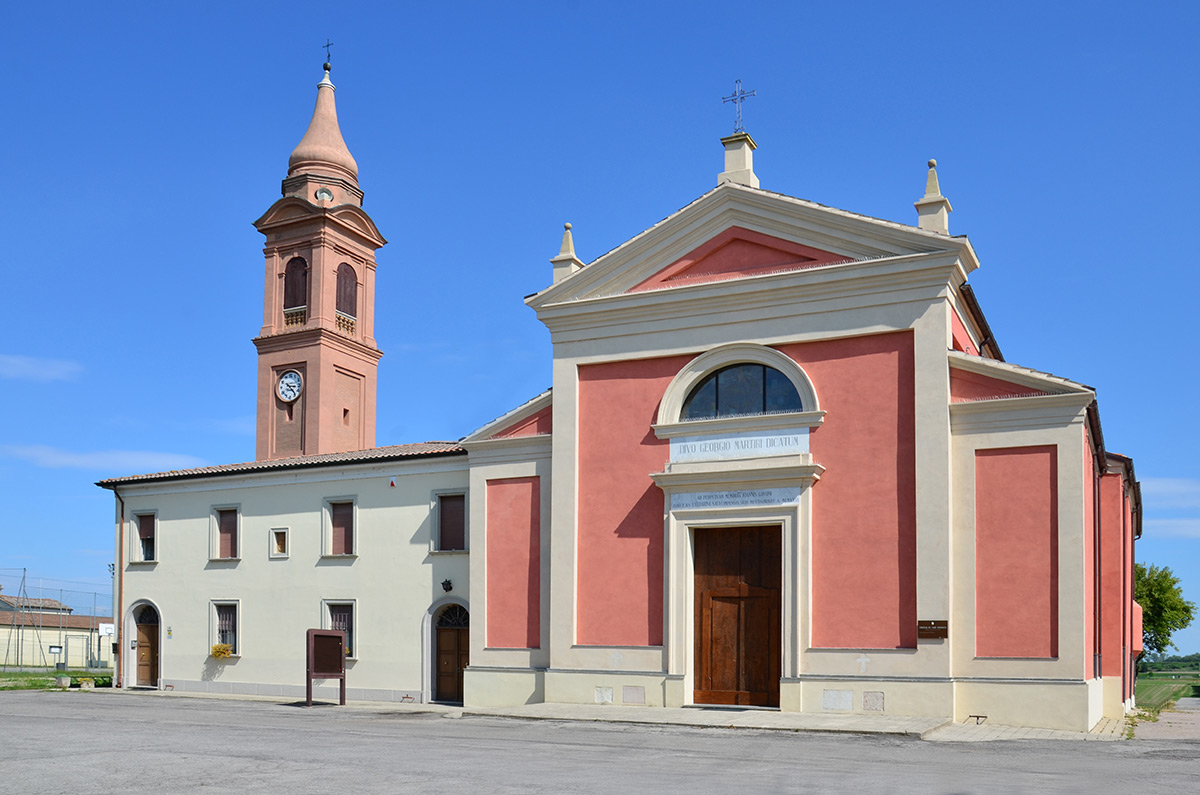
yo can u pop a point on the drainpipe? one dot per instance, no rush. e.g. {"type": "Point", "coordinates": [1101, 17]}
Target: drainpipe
{"type": "Point", "coordinates": [120, 616]}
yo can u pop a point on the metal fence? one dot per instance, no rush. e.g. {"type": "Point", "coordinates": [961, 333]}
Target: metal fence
{"type": "Point", "coordinates": [46, 622]}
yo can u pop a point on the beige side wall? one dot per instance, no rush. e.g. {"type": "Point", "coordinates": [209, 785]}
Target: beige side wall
{"type": "Point", "coordinates": [29, 646]}
{"type": "Point", "coordinates": [393, 579]}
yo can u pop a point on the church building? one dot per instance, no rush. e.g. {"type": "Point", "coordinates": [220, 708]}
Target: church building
{"type": "Point", "coordinates": [783, 464]}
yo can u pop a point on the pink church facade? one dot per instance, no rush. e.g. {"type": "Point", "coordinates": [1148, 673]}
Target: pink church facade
{"type": "Point", "coordinates": [783, 464]}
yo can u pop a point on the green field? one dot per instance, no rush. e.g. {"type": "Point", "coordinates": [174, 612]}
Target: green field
{"type": "Point", "coordinates": [27, 680]}
{"type": "Point", "coordinates": [1157, 690]}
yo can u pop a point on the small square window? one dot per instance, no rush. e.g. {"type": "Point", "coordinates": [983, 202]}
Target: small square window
{"type": "Point", "coordinates": [278, 542]}
{"type": "Point", "coordinates": [451, 533]}
{"type": "Point", "coordinates": [147, 529]}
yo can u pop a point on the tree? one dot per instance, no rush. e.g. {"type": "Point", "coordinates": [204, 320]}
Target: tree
{"type": "Point", "coordinates": [1164, 610]}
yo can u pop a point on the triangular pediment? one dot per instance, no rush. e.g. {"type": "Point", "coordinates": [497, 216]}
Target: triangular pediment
{"type": "Point", "coordinates": [734, 232]}
{"type": "Point", "coordinates": [532, 418]}
{"type": "Point", "coordinates": [738, 252]}
{"type": "Point", "coordinates": [975, 378]}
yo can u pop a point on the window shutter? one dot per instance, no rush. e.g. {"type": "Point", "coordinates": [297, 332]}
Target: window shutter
{"type": "Point", "coordinates": [295, 284]}
{"type": "Point", "coordinates": [347, 290]}
{"type": "Point", "coordinates": [452, 524]}
{"type": "Point", "coordinates": [343, 528]}
{"type": "Point", "coordinates": [146, 527]}
{"type": "Point", "coordinates": [227, 521]}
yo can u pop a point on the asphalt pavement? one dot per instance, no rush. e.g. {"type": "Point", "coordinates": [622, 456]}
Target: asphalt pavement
{"type": "Point", "coordinates": [98, 742]}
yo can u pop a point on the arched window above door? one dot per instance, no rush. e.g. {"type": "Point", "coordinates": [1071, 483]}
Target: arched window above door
{"type": "Point", "coordinates": [741, 390]}
{"type": "Point", "coordinates": [738, 384]}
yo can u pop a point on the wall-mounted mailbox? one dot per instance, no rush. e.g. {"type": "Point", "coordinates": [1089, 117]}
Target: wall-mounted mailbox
{"type": "Point", "coordinates": [326, 656]}
{"type": "Point", "coordinates": [933, 629]}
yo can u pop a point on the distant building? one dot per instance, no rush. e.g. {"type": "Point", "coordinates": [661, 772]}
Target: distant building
{"type": "Point", "coordinates": [783, 464]}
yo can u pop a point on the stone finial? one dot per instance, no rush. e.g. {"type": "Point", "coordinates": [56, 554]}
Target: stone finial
{"type": "Point", "coordinates": [933, 209]}
{"type": "Point", "coordinates": [566, 262]}
{"type": "Point", "coordinates": [739, 160]}
{"type": "Point", "coordinates": [322, 149]}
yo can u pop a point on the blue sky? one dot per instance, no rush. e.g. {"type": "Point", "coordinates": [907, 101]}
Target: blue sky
{"type": "Point", "coordinates": [141, 140]}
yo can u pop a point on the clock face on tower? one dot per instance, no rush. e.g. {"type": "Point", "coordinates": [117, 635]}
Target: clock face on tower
{"type": "Point", "coordinates": [289, 386]}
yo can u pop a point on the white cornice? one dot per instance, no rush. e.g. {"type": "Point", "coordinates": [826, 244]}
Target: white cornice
{"type": "Point", "coordinates": [870, 283]}
{"type": "Point", "coordinates": [1020, 413]}
{"type": "Point", "coordinates": [332, 473]}
{"type": "Point", "coordinates": [797, 470]}
{"type": "Point", "coordinates": [516, 448]}
{"type": "Point", "coordinates": [748, 424]}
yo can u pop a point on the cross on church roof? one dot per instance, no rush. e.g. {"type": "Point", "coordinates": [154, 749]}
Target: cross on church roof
{"type": "Point", "coordinates": [327, 45]}
{"type": "Point", "coordinates": [737, 98]}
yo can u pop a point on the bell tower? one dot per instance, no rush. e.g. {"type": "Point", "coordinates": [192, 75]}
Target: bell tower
{"type": "Point", "coordinates": [317, 357]}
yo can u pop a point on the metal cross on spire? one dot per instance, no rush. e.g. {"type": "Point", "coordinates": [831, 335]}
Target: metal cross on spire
{"type": "Point", "coordinates": [327, 45]}
{"type": "Point", "coordinates": [737, 98]}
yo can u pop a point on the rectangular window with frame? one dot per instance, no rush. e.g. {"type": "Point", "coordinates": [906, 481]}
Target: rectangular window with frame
{"type": "Point", "coordinates": [341, 616]}
{"type": "Point", "coordinates": [278, 541]}
{"type": "Point", "coordinates": [341, 523]}
{"type": "Point", "coordinates": [227, 533]}
{"type": "Point", "coordinates": [147, 536]}
{"type": "Point", "coordinates": [226, 625]}
{"type": "Point", "coordinates": [452, 522]}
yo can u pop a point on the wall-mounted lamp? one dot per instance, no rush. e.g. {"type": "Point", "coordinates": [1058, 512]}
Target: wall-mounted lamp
{"type": "Point", "coordinates": [447, 586]}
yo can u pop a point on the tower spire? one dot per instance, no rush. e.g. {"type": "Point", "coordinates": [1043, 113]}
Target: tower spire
{"type": "Point", "coordinates": [322, 151]}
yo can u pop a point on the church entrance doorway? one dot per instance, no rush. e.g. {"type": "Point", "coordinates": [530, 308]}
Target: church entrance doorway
{"type": "Point", "coordinates": [738, 573]}
{"type": "Point", "coordinates": [146, 620]}
{"type": "Point", "coordinates": [452, 645]}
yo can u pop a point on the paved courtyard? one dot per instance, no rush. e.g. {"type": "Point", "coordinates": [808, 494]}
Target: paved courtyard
{"type": "Point", "coordinates": [104, 742]}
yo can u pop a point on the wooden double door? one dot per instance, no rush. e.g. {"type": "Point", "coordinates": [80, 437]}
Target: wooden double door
{"type": "Point", "coordinates": [738, 571]}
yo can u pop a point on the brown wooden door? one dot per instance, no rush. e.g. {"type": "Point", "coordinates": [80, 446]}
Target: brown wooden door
{"type": "Point", "coordinates": [738, 571]}
{"type": "Point", "coordinates": [453, 650]}
{"type": "Point", "coordinates": [147, 654]}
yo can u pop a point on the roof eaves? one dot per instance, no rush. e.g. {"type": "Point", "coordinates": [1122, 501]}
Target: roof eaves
{"type": "Point", "coordinates": [299, 462]}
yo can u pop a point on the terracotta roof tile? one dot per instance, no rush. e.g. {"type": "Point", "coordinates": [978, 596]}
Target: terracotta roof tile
{"type": "Point", "coordinates": [389, 453]}
{"type": "Point", "coordinates": [30, 603]}
{"type": "Point", "coordinates": [46, 621]}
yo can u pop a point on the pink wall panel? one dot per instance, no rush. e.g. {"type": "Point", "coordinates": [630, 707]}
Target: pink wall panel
{"type": "Point", "coordinates": [621, 511]}
{"type": "Point", "coordinates": [966, 386]}
{"type": "Point", "coordinates": [1114, 611]}
{"type": "Point", "coordinates": [958, 331]}
{"type": "Point", "coordinates": [864, 506]}
{"type": "Point", "coordinates": [513, 563]}
{"type": "Point", "coordinates": [864, 538]}
{"type": "Point", "coordinates": [1016, 552]}
{"type": "Point", "coordinates": [539, 423]}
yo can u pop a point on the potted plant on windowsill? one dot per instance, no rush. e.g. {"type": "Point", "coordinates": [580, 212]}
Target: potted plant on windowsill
{"type": "Point", "coordinates": [221, 651]}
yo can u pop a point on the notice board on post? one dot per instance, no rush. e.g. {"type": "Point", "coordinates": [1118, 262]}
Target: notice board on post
{"type": "Point", "coordinates": [326, 659]}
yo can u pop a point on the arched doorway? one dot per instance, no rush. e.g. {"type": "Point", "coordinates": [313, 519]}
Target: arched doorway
{"type": "Point", "coordinates": [145, 618]}
{"type": "Point", "coordinates": [451, 650]}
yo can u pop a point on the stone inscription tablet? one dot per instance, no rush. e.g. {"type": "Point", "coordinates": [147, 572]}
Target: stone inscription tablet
{"type": "Point", "coordinates": [751, 444]}
{"type": "Point", "coordinates": [692, 500]}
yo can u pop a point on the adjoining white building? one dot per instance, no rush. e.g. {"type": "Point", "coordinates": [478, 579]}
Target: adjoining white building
{"type": "Point", "coordinates": [783, 463]}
